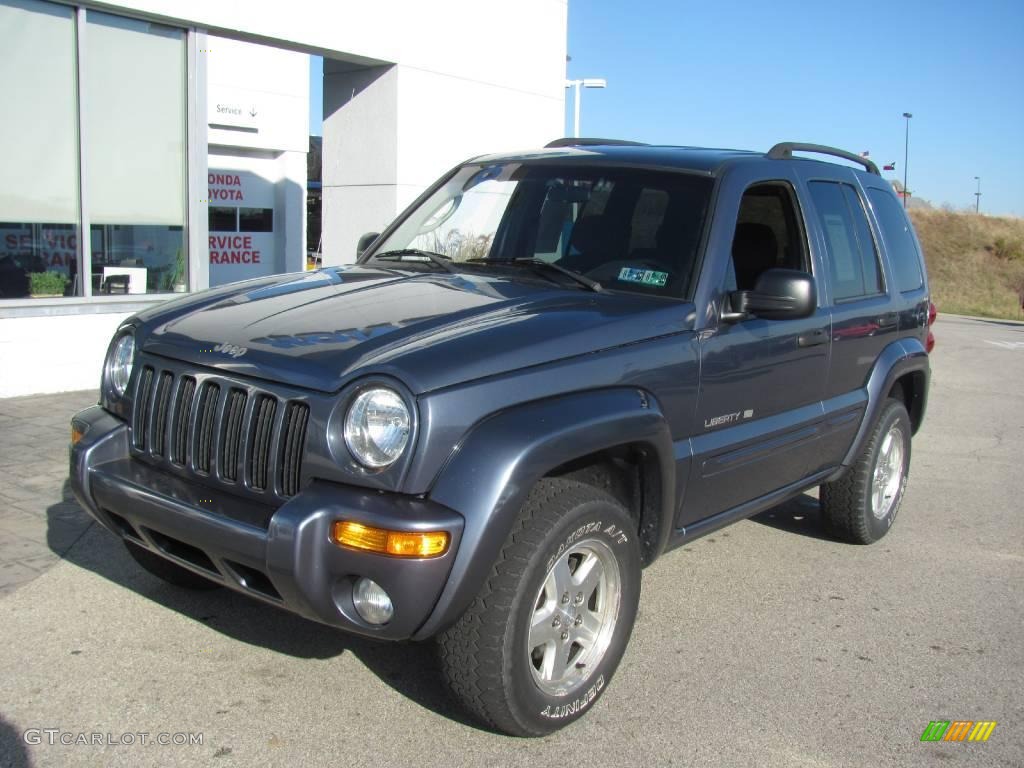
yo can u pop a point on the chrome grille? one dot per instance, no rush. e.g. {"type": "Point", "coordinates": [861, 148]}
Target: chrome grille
{"type": "Point", "coordinates": [220, 430]}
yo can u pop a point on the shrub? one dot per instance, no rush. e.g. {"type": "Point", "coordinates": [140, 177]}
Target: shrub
{"type": "Point", "coordinates": [1008, 248]}
{"type": "Point", "coordinates": [47, 283]}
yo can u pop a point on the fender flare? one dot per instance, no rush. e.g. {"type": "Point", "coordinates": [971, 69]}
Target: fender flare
{"type": "Point", "coordinates": [904, 356]}
{"type": "Point", "coordinates": [492, 471]}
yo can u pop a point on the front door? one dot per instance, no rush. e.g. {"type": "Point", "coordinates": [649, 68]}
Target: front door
{"type": "Point", "coordinates": [762, 381]}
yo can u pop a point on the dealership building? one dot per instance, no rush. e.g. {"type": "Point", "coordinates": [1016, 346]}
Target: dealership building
{"type": "Point", "coordinates": [154, 148]}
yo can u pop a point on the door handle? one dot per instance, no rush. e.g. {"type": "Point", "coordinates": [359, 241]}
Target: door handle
{"type": "Point", "coordinates": [812, 339]}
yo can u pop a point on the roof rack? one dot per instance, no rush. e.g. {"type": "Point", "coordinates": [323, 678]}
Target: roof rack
{"type": "Point", "coordinates": [570, 141]}
{"type": "Point", "coordinates": [785, 150]}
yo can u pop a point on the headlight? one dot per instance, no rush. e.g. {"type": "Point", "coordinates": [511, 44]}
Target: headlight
{"type": "Point", "coordinates": [377, 427]}
{"type": "Point", "coordinates": [119, 364]}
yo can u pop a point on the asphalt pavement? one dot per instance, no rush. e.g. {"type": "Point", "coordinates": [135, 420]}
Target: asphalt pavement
{"type": "Point", "coordinates": [765, 644]}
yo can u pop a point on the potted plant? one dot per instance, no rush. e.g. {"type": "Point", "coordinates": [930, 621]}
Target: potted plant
{"type": "Point", "coordinates": [47, 285]}
{"type": "Point", "coordinates": [178, 276]}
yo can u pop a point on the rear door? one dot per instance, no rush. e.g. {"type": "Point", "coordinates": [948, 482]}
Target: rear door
{"type": "Point", "coordinates": [864, 319]}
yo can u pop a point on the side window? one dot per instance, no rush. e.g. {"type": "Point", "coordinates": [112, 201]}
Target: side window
{"type": "Point", "coordinates": [768, 234]}
{"type": "Point", "coordinates": [899, 241]}
{"type": "Point", "coordinates": [852, 259]}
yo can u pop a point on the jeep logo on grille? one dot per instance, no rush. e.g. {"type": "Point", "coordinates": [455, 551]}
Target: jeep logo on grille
{"type": "Point", "coordinates": [231, 349]}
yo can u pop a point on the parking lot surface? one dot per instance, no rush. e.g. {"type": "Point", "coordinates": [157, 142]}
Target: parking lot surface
{"type": "Point", "coordinates": [764, 644]}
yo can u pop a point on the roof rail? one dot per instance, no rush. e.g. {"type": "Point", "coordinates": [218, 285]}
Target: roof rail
{"type": "Point", "coordinates": [570, 141]}
{"type": "Point", "coordinates": [785, 150]}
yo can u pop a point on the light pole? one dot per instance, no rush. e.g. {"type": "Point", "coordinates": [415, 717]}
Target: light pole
{"type": "Point", "coordinates": [906, 155]}
{"type": "Point", "coordinates": [587, 82]}
{"type": "Point", "coordinates": [977, 195]}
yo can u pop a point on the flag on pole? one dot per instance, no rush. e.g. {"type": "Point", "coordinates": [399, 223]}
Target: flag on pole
{"type": "Point", "coordinates": [890, 166]}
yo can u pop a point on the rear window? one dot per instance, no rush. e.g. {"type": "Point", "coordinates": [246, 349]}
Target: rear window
{"type": "Point", "coordinates": [899, 241]}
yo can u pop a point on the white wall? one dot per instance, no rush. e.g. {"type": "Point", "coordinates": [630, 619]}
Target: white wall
{"type": "Point", "coordinates": [257, 110]}
{"type": "Point", "coordinates": [518, 44]}
{"type": "Point", "coordinates": [53, 354]}
{"type": "Point", "coordinates": [469, 77]}
{"type": "Point", "coordinates": [455, 78]}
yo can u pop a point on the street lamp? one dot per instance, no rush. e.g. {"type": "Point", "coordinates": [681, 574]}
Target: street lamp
{"type": "Point", "coordinates": [977, 195]}
{"type": "Point", "coordinates": [587, 82]}
{"type": "Point", "coordinates": [906, 154]}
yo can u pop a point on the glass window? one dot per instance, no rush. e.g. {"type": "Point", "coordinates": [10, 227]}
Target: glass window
{"type": "Point", "coordinates": [767, 236]}
{"type": "Point", "coordinates": [134, 118]}
{"type": "Point", "coordinates": [868, 253]}
{"type": "Point", "coordinates": [626, 229]}
{"type": "Point", "coordinates": [899, 240]}
{"type": "Point", "coordinates": [853, 269]}
{"type": "Point", "coordinates": [255, 219]}
{"type": "Point", "coordinates": [39, 136]}
{"type": "Point", "coordinates": [223, 219]}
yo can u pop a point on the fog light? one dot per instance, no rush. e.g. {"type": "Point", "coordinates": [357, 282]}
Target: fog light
{"type": "Point", "coordinates": [372, 602]}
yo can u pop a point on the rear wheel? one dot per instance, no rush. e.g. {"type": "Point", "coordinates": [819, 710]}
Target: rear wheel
{"type": "Point", "coordinates": [170, 572]}
{"type": "Point", "coordinates": [543, 638]}
{"type": "Point", "coordinates": [861, 506]}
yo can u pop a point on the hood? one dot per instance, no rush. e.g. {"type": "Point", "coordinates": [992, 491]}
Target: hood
{"type": "Point", "coordinates": [431, 330]}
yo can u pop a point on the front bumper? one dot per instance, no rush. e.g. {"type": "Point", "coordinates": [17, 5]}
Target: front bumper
{"type": "Point", "coordinates": [282, 555]}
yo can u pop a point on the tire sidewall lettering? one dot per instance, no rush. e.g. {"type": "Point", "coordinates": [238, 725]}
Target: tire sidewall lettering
{"type": "Point", "coordinates": [558, 711]}
{"type": "Point", "coordinates": [542, 707]}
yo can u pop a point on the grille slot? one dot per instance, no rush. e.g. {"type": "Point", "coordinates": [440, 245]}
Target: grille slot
{"type": "Point", "coordinates": [140, 422]}
{"type": "Point", "coordinates": [159, 431]}
{"type": "Point", "coordinates": [234, 415]}
{"type": "Point", "coordinates": [259, 450]}
{"type": "Point", "coordinates": [205, 417]}
{"type": "Point", "coordinates": [182, 416]}
{"type": "Point", "coordinates": [292, 443]}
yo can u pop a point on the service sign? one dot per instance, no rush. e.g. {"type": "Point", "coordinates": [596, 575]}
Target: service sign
{"type": "Point", "coordinates": [241, 225]}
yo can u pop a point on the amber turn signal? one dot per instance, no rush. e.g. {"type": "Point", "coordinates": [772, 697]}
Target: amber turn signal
{"type": "Point", "coordinates": [347, 533]}
{"type": "Point", "coordinates": [77, 433]}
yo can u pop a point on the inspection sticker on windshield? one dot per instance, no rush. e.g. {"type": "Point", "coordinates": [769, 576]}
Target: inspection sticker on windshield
{"type": "Point", "coordinates": [644, 276]}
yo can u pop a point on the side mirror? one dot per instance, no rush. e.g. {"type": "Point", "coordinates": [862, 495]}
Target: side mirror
{"type": "Point", "coordinates": [365, 242]}
{"type": "Point", "coordinates": [779, 294]}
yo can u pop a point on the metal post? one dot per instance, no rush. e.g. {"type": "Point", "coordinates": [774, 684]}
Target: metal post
{"type": "Point", "coordinates": [977, 195]}
{"type": "Point", "coordinates": [576, 108]}
{"type": "Point", "coordinates": [906, 155]}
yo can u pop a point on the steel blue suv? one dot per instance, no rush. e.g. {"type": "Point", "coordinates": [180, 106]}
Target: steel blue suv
{"type": "Point", "coordinates": [553, 368]}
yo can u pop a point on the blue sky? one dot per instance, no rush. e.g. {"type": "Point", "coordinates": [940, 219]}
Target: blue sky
{"type": "Point", "coordinates": [746, 75]}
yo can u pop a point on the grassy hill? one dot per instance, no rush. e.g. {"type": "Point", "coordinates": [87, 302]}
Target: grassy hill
{"type": "Point", "coordinates": [975, 263]}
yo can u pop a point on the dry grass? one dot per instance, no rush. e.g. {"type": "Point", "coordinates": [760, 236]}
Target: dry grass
{"type": "Point", "coordinates": [975, 263]}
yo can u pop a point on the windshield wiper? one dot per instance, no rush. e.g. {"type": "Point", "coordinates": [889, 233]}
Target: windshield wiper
{"type": "Point", "coordinates": [436, 258]}
{"type": "Point", "coordinates": [575, 276]}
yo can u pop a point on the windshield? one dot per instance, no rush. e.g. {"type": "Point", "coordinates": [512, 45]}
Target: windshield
{"type": "Point", "coordinates": [627, 229]}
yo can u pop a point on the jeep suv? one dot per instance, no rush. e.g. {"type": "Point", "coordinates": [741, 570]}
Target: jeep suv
{"type": "Point", "coordinates": [553, 368]}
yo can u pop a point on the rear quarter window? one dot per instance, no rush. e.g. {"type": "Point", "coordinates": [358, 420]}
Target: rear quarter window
{"type": "Point", "coordinates": [899, 241]}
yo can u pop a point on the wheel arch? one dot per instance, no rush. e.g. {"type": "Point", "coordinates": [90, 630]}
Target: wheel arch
{"type": "Point", "coordinates": [494, 468]}
{"type": "Point", "coordinates": [902, 370]}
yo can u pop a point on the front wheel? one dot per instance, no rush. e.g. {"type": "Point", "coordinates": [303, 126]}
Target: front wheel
{"type": "Point", "coordinates": [541, 642]}
{"type": "Point", "coordinates": [861, 506]}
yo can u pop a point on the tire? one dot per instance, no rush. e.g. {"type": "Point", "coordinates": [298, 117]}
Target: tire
{"type": "Point", "coordinates": [860, 506]}
{"type": "Point", "coordinates": [508, 673]}
{"type": "Point", "coordinates": [170, 572]}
